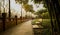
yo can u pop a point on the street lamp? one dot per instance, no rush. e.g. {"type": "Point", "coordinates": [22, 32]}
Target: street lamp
{"type": "Point", "coordinates": [21, 11]}
{"type": "Point", "coordinates": [9, 11]}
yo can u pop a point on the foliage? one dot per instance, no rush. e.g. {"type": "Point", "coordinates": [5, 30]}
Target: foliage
{"type": "Point", "coordinates": [40, 12]}
{"type": "Point", "coordinates": [37, 1]}
{"type": "Point", "coordinates": [47, 25]}
{"type": "Point", "coordinates": [22, 1]}
{"type": "Point", "coordinates": [28, 8]}
{"type": "Point", "coordinates": [34, 21]}
{"type": "Point", "coordinates": [45, 15]}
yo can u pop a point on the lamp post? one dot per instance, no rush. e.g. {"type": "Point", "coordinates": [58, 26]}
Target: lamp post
{"type": "Point", "coordinates": [21, 11]}
{"type": "Point", "coordinates": [9, 11]}
{"type": "Point", "coordinates": [3, 16]}
{"type": "Point", "coordinates": [16, 19]}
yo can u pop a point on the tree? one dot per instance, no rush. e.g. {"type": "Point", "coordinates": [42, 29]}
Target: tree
{"type": "Point", "coordinates": [28, 8]}
{"type": "Point", "coordinates": [22, 1]}
{"type": "Point", "coordinates": [37, 1]}
{"type": "Point", "coordinates": [40, 1]}
{"type": "Point", "coordinates": [40, 12]}
{"type": "Point", "coordinates": [45, 15]}
{"type": "Point", "coordinates": [0, 9]}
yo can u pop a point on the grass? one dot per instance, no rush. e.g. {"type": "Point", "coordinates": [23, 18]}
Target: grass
{"type": "Point", "coordinates": [47, 25]}
{"type": "Point", "coordinates": [36, 20]}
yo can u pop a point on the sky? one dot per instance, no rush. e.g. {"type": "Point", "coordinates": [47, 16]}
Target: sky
{"type": "Point", "coordinates": [36, 7]}
{"type": "Point", "coordinates": [16, 8]}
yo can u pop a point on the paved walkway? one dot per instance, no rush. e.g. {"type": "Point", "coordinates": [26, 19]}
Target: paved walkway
{"type": "Point", "coordinates": [22, 29]}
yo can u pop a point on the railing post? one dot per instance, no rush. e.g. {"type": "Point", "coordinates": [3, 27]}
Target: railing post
{"type": "Point", "coordinates": [3, 20]}
{"type": "Point", "coordinates": [16, 19]}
